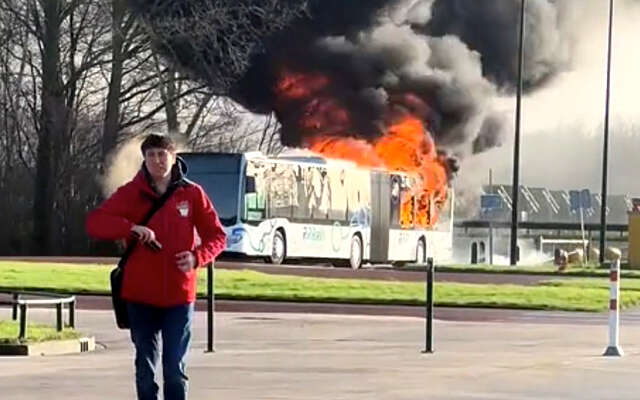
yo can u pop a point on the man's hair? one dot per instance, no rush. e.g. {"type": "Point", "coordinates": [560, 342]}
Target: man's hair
{"type": "Point", "coordinates": [158, 141]}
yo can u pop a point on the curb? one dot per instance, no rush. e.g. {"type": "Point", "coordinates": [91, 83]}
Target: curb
{"type": "Point", "coordinates": [54, 347]}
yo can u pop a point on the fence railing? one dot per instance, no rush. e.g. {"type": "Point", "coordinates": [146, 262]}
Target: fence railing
{"type": "Point", "coordinates": [20, 305]}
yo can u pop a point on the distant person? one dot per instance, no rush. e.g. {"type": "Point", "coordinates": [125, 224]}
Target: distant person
{"type": "Point", "coordinates": [160, 275]}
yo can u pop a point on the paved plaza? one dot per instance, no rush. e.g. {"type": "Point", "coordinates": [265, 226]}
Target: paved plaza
{"type": "Point", "coordinates": [310, 356]}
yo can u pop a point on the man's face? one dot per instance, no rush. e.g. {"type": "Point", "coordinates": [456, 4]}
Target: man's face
{"type": "Point", "coordinates": [159, 162]}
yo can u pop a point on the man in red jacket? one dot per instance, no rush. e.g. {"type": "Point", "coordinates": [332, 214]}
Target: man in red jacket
{"type": "Point", "coordinates": [160, 276]}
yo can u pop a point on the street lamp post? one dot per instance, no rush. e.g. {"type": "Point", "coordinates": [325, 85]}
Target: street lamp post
{"type": "Point", "coordinates": [605, 149]}
{"type": "Point", "coordinates": [516, 145]}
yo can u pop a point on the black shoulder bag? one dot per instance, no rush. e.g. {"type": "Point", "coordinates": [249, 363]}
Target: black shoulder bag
{"type": "Point", "coordinates": [117, 274]}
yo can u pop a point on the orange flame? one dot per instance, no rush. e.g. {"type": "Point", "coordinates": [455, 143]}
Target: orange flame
{"type": "Point", "coordinates": [294, 85]}
{"type": "Point", "coordinates": [406, 146]}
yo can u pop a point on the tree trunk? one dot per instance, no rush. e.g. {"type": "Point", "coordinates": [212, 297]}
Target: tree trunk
{"type": "Point", "coordinates": [171, 101]}
{"type": "Point", "coordinates": [112, 116]}
{"type": "Point", "coordinates": [53, 124]}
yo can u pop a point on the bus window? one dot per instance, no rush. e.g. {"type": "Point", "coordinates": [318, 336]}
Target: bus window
{"type": "Point", "coordinates": [445, 214]}
{"type": "Point", "coordinates": [337, 195]}
{"type": "Point", "coordinates": [301, 209]}
{"type": "Point", "coordinates": [280, 196]}
{"type": "Point", "coordinates": [221, 181]}
{"type": "Point", "coordinates": [316, 193]}
{"type": "Point", "coordinates": [394, 198]}
{"type": "Point", "coordinates": [408, 208]}
{"type": "Point", "coordinates": [358, 205]}
{"type": "Point", "coordinates": [254, 201]}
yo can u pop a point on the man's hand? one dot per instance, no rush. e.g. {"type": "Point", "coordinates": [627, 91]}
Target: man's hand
{"type": "Point", "coordinates": [186, 261]}
{"type": "Point", "coordinates": [143, 233]}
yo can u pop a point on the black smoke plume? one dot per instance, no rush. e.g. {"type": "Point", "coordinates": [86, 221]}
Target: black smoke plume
{"type": "Point", "coordinates": [490, 27]}
{"type": "Point", "coordinates": [376, 60]}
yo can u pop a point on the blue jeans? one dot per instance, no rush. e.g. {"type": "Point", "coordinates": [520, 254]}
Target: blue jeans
{"type": "Point", "coordinates": [174, 323]}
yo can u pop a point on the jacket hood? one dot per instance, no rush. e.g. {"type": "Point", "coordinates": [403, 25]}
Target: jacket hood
{"type": "Point", "coordinates": [179, 170]}
{"type": "Point", "coordinates": [178, 176]}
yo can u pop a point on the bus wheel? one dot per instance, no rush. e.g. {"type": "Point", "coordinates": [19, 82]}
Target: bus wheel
{"type": "Point", "coordinates": [355, 258]}
{"type": "Point", "coordinates": [278, 249]}
{"type": "Point", "coordinates": [421, 252]}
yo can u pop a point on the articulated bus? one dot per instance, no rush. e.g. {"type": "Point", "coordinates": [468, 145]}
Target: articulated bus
{"type": "Point", "coordinates": [310, 207]}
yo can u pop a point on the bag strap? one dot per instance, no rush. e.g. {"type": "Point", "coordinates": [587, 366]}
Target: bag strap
{"type": "Point", "coordinates": [155, 207]}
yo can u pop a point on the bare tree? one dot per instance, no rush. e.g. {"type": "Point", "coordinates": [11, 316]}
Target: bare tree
{"type": "Point", "coordinates": [62, 47]}
{"type": "Point", "coordinates": [215, 40]}
{"type": "Point", "coordinates": [14, 122]}
{"type": "Point", "coordinates": [121, 26]}
{"type": "Point", "coordinates": [270, 136]}
{"type": "Point", "coordinates": [227, 127]}
{"type": "Point", "coordinates": [77, 77]}
{"type": "Point", "coordinates": [53, 124]}
{"type": "Point", "coordinates": [218, 38]}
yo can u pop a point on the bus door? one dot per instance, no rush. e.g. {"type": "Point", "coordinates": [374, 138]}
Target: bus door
{"type": "Point", "coordinates": [380, 216]}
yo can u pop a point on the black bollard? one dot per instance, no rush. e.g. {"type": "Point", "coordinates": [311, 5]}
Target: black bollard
{"type": "Point", "coordinates": [428, 304]}
{"type": "Point", "coordinates": [14, 312]}
{"type": "Point", "coordinates": [72, 314]}
{"type": "Point", "coordinates": [210, 305]}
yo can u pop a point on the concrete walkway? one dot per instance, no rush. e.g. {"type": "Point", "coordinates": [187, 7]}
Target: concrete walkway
{"type": "Point", "coordinates": [302, 356]}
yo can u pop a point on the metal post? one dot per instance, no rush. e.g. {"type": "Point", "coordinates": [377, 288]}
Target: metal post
{"type": "Point", "coordinates": [491, 220]}
{"type": "Point", "coordinates": [614, 348]}
{"type": "Point", "coordinates": [590, 246]}
{"type": "Point", "coordinates": [14, 312]}
{"type": "Point", "coordinates": [72, 314]}
{"type": "Point", "coordinates": [516, 143]}
{"type": "Point", "coordinates": [584, 246]}
{"type": "Point", "coordinates": [23, 322]}
{"type": "Point", "coordinates": [490, 241]}
{"type": "Point", "coordinates": [210, 306]}
{"type": "Point", "coordinates": [59, 317]}
{"type": "Point", "coordinates": [605, 149]}
{"type": "Point", "coordinates": [428, 304]}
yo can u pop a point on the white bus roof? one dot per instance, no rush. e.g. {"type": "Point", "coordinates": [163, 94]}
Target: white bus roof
{"type": "Point", "coordinates": [304, 156]}
{"type": "Point", "coordinates": [300, 157]}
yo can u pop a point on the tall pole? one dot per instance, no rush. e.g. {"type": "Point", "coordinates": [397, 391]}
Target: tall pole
{"type": "Point", "coordinates": [605, 149]}
{"type": "Point", "coordinates": [491, 220]}
{"type": "Point", "coordinates": [210, 308]}
{"type": "Point", "coordinates": [516, 145]}
{"type": "Point", "coordinates": [428, 304]}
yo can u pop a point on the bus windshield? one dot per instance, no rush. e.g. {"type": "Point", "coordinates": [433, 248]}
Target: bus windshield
{"type": "Point", "coordinates": [220, 179]}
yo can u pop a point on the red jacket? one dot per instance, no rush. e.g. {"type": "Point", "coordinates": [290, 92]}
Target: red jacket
{"type": "Point", "coordinates": [152, 277]}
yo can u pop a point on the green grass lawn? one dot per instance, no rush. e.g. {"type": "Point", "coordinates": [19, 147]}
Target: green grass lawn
{"type": "Point", "coordinates": [594, 283]}
{"type": "Point", "coordinates": [257, 286]}
{"type": "Point", "coordinates": [545, 269]}
{"type": "Point", "coordinates": [573, 295]}
{"type": "Point", "coordinates": [35, 333]}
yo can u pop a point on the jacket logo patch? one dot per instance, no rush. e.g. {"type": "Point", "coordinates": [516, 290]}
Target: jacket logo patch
{"type": "Point", "coordinates": [183, 208]}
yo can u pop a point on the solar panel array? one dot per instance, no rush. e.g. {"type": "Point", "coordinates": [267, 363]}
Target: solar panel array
{"type": "Point", "coordinates": [543, 205]}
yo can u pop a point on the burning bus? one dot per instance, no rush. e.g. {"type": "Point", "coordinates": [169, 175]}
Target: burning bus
{"type": "Point", "coordinates": [315, 207]}
{"type": "Point", "coordinates": [368, 82]}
